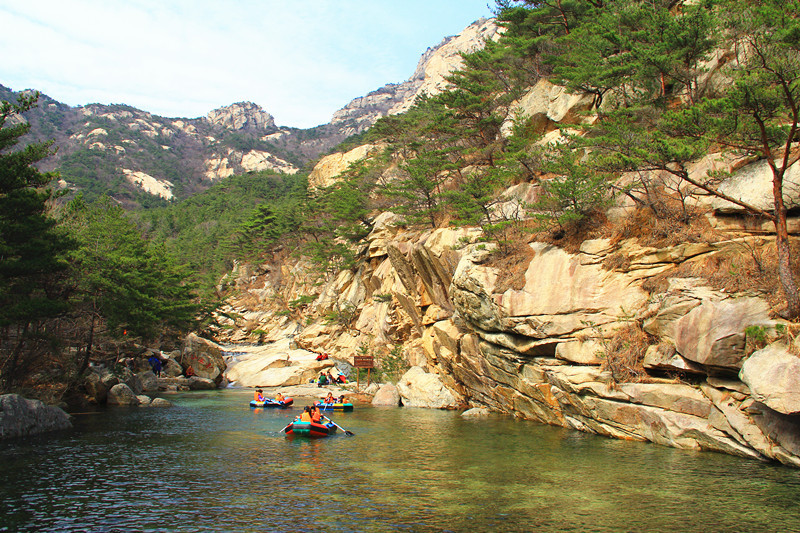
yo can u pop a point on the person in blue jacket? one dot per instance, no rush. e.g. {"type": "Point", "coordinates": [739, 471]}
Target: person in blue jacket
{"type": "Point", "coordinates": [155, 364]}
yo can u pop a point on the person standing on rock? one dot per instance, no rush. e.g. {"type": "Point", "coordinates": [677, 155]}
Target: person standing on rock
{"type": "Point", "coordinates": [155, 364]}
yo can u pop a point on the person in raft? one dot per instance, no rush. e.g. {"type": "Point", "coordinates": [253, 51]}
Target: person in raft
{"type": "Point", "coordinates": [329, 398]}
{"type": "Point", "coordinates": [306, 416]}
{"type": "Point", "coordinates": [341, 398]}
{"type": "Point", "coordinates": [279, 397]}
{"type": "Point", "coordinates": [259, 395]}
{"type": "Point", "coordinates": [316, 415]}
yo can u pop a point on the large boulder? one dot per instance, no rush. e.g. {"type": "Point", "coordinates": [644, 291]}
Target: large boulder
{"type": "Point", "coordinates": [149, 381]}
{"type": "Point", "coordinates": [198, 383]}
{"type": "Point", "coordinates": [121, 394]}
{"type": "Point", "coordinates": [387, 395]}
{"type": "Point", "coordinates": [417, 388]}
{"type": "Point", "coordinates": [204, 356]}
{"type": "Point", "coordinates": [20, 417]}
{"type": "Point", "coordinates": [171, 368]}
{"type": "Point", "coordinates": [713, 333]}
{"type": "Point", "coordinates": [276, 365]}
{"type": "Point", "coordinates": [96, 388]}
{"type": "Point", "coordinates": [773, 375]}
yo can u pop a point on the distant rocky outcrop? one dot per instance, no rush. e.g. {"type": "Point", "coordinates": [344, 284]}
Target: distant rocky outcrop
{"type": "Point", "coordinates": [434, 66]}
{"type": "Point", "coordinates": [20, 417]}
{"type": "Point", "coordinates": [242, 116]}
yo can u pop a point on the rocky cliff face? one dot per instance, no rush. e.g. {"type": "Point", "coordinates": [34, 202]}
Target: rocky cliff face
{"type": "Point", "coordinates": [543, 351]}
{"type": "Point", "coordinates": [429, 78]}
{"type": "Point", "coordinates": [545, 335]}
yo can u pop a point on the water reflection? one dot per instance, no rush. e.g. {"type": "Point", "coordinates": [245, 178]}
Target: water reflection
{"type": "Point", "coordinates": [213, 464]}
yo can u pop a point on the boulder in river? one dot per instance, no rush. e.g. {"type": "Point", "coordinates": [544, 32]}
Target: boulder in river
{"type": "Point", "coordinates": [121, 394]}
{"type": "Point", "coordinates": [387, 395]}
{"type": "Point", "coordinates": [20, 417]}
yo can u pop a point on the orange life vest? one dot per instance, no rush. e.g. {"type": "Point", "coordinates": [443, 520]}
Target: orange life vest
{"type": "Point", "coordinates": [305, 417]}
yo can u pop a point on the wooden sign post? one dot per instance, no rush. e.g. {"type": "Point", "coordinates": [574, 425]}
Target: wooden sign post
{"type": "Point", "coordinates": [363, 361]}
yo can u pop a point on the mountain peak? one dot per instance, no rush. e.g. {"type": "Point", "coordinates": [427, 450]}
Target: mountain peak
{"type": "Point", "coordinates": [242, 116]}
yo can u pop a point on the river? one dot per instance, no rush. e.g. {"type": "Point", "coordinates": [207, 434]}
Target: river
{"type": "Point", "coordinates": [210, 463]}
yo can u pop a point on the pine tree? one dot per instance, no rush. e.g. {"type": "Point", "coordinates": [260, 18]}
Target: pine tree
{"type": "Point", "coordinates": [32, 249]}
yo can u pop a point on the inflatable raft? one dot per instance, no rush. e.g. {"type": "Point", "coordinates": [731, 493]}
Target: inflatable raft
{"type": "Point", "coordinates": [313, 430]}
{"type": "Point", "coordinates": [286, 402]}
{"type": "Point", "coordinates": [334, 406]}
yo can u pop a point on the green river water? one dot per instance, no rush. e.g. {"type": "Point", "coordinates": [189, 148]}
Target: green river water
{"type": "Point", "coordinates": [210, 463]}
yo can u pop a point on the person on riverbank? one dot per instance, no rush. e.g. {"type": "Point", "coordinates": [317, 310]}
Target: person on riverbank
{"type": "Point", "coordinates": [323, 379]}
{"type": "Point", "coordinates": [155, 364]}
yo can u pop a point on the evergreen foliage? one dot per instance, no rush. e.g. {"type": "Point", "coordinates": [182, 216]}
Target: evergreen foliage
{"type": "Point", "coordinates": [32, 249]}
{"type": "Point", "coordinates": [236, 219]}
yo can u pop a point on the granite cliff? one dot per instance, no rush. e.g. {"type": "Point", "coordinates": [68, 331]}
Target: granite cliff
{"type": "Point", "coordinates": [613, 336]}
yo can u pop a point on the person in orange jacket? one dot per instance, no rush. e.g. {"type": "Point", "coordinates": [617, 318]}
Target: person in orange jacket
{"type": "Point", "coordinates": [316, 415]}
{"type": "Point", "coordinates": [306, 416]}
{"type": "Point", "coordinates": [259, 395]}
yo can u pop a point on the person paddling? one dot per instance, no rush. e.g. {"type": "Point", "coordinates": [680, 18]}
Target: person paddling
{"type": "Point", "coordinates": [329, 398]}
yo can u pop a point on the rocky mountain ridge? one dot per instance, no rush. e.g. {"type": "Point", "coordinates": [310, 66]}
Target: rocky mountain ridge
{"type": "Point", "coordinates": [141, 158]}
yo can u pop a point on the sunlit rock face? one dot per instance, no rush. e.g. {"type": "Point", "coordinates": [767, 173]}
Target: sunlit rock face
{"type": "Point", "coordinates": [242, 116]}
{"type": "Point", "coordinates": [535, 341]}
{"type": "Point", "coordinates": [434, 66]}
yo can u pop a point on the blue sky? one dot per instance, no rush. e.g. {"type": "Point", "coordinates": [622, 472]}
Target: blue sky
{"type": "Point", "coordinates": [300, 60]}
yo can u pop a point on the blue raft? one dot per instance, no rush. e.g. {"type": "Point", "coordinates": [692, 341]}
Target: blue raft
{"type": "Point", "coordinates": [255, 404]}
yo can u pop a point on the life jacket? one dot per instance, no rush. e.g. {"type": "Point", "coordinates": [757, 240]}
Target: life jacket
{"type": "Point", "coordinates": [305, 417]}
{"type": "Point", "coordinates": [257, 397]}
{"type": "Point", "coordinates": [316, 417]}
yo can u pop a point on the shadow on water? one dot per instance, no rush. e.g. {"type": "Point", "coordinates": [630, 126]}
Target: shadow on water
{"type": "Point", "coordinates": [213, 464]}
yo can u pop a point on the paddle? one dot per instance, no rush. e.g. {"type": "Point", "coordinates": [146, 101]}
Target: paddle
{"type": "Point", "coordinates": [346, 431]}
{"type": "Point", "coordinates": [287, 426]}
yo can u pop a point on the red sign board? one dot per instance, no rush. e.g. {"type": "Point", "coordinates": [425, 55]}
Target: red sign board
{"type": "Point", "coordinates": [363, 361]}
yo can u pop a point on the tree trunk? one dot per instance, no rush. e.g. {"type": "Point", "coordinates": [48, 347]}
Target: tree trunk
{"type": "Point", "coordinates": [783, 249]}
{"type": "Point", "coordinates": [88, 351]}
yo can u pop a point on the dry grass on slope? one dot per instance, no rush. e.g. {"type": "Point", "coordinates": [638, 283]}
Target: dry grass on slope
{"type": "Point", "coordinates": [624, 354]}
{"type": "Point", "coordinates": [748, 265]}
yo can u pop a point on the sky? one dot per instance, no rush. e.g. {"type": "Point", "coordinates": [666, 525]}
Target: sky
{"type": "Point", "coordinates": [300, 60]}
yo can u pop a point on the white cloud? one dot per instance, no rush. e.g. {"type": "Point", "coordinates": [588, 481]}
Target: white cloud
{"type": "Point", "coordinates": [300, 60]}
